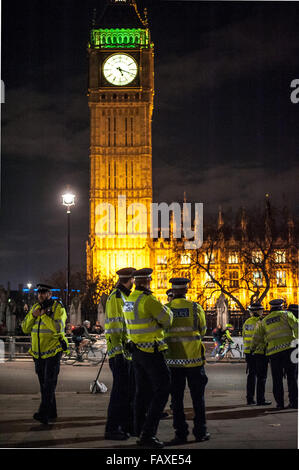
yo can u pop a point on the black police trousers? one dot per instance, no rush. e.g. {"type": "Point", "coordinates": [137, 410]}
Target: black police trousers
{"type": "Point", "coordinates": [152, 379]}
{"type": "Point", "coordinates": [251, 377]}
{"type": "Point", "coordinates": [282, 363]}
{"type": "Point", "coordinates": [257, 368]}
{"type": "Point", "coordinates": [197, 380]}
{"type": "Point", "coordinates": [261, 365]}
{"type": "Point", "coordinates": [47, 371]}
{"type": "Point", "coordinates": [120, 408]}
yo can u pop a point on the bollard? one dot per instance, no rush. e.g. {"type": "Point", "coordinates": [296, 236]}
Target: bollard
{"type": "Point", "coordinates": [12, 348]}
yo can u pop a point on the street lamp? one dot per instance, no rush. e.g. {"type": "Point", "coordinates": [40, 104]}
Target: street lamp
{"type": "Point", "coordinates": [68, 200]}
{"type": "Point", "coordinates": [29, 285]}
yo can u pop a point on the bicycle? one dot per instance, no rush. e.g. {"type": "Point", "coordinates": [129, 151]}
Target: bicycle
{"type": "Point", "coordinates": [91, 352]}
{"type": "Point", "coordinates": [229, 350]}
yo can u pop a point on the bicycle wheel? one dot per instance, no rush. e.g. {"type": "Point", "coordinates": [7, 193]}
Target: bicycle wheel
{"type": "Point", "coordinates": [71, 358]}
{"type": "Point", "coordinates": [220, 356]}
{"type": "Point", "coordinates": [236, 353]}
{"type": "Point", "coordinates": [95, 356]}
{"type": "Point", "coordinates": [229, 354]}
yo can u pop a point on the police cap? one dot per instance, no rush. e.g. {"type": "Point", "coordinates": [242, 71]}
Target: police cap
{"type": "Point", "coordinates": [43, 288]}
{"type": "Point", "coordinates": [169, 292]}
{"type": "Point", "coordinates": [125, 272]}
{"type": "Point", "coordinates": [255, 306]}
{"type": "Point", "coordinates": [145, 273]}
{"type": "Point", "coordinates": [179, 282]}
{"type": "Point", "coordinates": [276, 302]}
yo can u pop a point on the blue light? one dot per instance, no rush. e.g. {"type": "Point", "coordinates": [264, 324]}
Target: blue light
{"type": "Point", "coordinates": [26, 290]}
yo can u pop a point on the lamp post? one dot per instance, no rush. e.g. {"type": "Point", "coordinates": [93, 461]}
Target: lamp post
{"type": "Point", "coordinates": [29, 285]}
{"type": "Point", "coordinates": [68, 200]}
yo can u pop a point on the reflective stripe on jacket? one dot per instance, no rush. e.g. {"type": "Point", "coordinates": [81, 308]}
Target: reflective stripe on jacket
{"type": "Point", "coordinates": [115, 332]}
{"type": "Point", "coordinates": [184, 337]}
{"type": "Point", "coordinates": [45, 331]}
{"type": "Point", "coordinates": [277, 330]}
{"type": "Point", "coordinates": [146, 319]}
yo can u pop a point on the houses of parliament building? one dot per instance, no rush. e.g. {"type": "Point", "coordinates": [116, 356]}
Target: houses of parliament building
{"type": "Point", "coordinates": [121, 101]}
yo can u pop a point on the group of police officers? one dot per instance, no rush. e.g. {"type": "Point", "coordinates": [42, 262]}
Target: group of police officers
{"type": "Point", "coordinates": [163, 345]}
{"type": "Point", "coordinates": [272, 338]}
{"type": "Point", "coordinates": [154, 349]}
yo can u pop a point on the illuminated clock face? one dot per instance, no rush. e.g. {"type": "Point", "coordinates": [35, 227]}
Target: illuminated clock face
{"type": "Point", "coordinates": [120, 69]}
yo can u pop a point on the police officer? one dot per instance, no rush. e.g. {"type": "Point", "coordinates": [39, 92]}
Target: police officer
{"type": "Point", "coordinates": [119, 419]}
{"type": "Point", "coordinates": [293, 308]}
{"type": "Point", "coordinates": [169, 294]}
{"type": "Point", "coordinates": [186, 359]}
{"type": "Point", "coordinates": [46, 323]}
{"type": "Point", "coordinates": [257, 362]}
{"type": "Point", "coordinates": [146, 320]}
{"type": "Point", "coordinates": [278, 329]}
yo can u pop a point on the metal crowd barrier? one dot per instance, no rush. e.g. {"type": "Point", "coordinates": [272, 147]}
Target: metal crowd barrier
{"type": "Point", "coordinates": [17, 347]}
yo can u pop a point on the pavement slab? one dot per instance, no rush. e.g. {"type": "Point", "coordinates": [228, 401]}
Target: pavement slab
{"type": "Point", "coordinates": [82, 415]}
{"type": "Point", "coordinates": [82, 422]}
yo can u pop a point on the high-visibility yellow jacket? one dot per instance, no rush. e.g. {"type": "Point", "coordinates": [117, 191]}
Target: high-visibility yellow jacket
{"type": "Point", "coordinates": [46, 330]}
{"type": "Point", "coordinates": [115, 330]}
{"type": "Point", "coordinates": [226, 336]}
{"type": "Point", "coordinates": [146, 320]}
{"type": "Point", "coordinates": [184, 337]}
{"type": "Point", "coordinates": [277, 330]}
{"type": "Point", "coordinates": [247, 333]}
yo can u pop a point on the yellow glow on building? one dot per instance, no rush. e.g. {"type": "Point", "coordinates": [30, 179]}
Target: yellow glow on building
{"type": "Point", "coordinates": [121, 170]}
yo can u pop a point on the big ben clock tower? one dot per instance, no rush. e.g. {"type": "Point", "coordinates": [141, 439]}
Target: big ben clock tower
{"type": "Point", "coordinates": [120, 98]}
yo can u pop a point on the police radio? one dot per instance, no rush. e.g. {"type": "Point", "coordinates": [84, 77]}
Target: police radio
{"type": "Point", "coordinates": [47, 305]}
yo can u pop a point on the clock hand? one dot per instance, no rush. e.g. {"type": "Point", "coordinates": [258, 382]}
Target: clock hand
{"type": "Point", "coordinates": [126, 71]}
{"type": "Point", "coordinates": [121, 71]}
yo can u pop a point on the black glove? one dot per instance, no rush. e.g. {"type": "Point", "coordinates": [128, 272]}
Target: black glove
{"type": "Point", "coordinates": [47, 306]}
{"type": "Point", "coordinates": [129, 347]}
{"type": "Point", "coordinates": [63, 344]}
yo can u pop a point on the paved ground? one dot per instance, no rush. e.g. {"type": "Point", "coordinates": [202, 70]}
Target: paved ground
{"type": "Point", "coordinates": [82, 416]}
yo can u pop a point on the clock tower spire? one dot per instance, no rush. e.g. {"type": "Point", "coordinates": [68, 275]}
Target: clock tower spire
{"type": "Point", "coordinates": [120, 99]}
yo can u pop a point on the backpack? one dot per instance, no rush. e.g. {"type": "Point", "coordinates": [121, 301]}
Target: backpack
{"type": "Point", "coordinates": [77, 331]}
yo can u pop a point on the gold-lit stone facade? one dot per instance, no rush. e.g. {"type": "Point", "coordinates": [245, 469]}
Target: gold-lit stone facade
{"type": "Point", "coordinates": [227, 264]}
{"type": "Point", "coordinates": [120, 149]}
{"type": "Point", "coordinates": [121, 165]}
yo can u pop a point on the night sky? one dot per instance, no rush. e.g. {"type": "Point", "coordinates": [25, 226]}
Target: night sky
{"type": "Point", "coordinates": [224, 128]}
